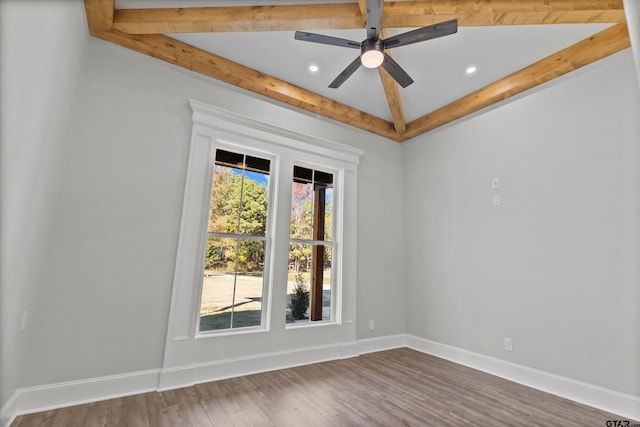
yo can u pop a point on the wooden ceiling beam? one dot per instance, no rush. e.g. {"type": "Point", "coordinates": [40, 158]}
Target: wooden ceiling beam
{"type": "Point", "coordinates": [207, 64]}
{"type": "Point", "coordinates": [239, 18]}
{"type": "Point", "coordinates": [502, 12]}
{"type": "Point", "coordinates": [392, 93]}
{"type": "Point", "coordinates": [399, 14]}
{"type": "Point", "coordinates": [99, 15]}
{"type": "Point", "coordinates": [587, 51]}
{"type": "Point", "coordinates": [362, 4]}
{"type": "Point", "coordinates": [105, 22]}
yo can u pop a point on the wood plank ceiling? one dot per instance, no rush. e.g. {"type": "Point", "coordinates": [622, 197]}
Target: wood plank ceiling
{"type": "Point", "coordinates": [143, 30]}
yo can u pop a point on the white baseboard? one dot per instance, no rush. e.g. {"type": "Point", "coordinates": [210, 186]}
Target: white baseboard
{"type": "Point", "coordinates": [625, 405]}
{"type": "Point", "coordinates": [184, 376]}
{"type": "Point", "coordinates": [371, 345]}
{"type": "Point", "coordinates": [8, 410]}
{"type": "Point", "coordinates": [60, 395]}
{"type": "Point", "coordinates": [41, 398]}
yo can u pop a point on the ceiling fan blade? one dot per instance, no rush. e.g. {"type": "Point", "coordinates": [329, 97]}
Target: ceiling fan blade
{"type": "Point", "coordinates": [374, 18]}
{"type": "Point", "coordinates": [319, 38]}
{"type": "Point", "coordinates": [396, 71]}
{"type": "Point", "coordinates": [421, 34]}
{"type": "Point", "coordinates": [344, 75]}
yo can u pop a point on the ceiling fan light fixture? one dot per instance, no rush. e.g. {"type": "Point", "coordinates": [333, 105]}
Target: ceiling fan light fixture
{"type": "Point", "coordinates": [372, 54]}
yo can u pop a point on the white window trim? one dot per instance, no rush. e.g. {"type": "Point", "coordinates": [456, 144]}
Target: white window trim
{"type": "Point", "coordinates": [214, 127]}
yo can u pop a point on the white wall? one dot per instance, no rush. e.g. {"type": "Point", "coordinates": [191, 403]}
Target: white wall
{"type": "Point", "coordinates": [553, 267]}
{"type": "Point", "coordinates": [117, 211]}
{"type": "Point", "coordinates": [41, 43]}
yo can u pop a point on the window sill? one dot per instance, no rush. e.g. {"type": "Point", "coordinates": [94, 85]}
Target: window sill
{"type": "Point", "coordinates": [228, 332]}
{"type": "Point", "coordinates": [309, 324]}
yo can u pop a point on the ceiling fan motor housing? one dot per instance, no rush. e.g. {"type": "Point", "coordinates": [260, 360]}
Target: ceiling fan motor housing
{"type": "Point", "coordinates": [372, 53]}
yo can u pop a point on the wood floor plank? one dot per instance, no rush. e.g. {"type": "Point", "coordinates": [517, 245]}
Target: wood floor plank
{"type": "Point", "coordinates": [246, 400]}
{"type": "Point", "coordinates": [400, 387]}
{"type": "Point", "coordinates": [156, 410]}
{"type": "Point", "coordinates": [177, 417]}
{"type": "Point", "coordinates": [276, 409]}
{"type": "Point", "coordinates": [96, 414]}
{"type": "Point", "coordinates": [212, 406]}
{"type": "Point", "coordinates": [190, 405]}
{"type": "Point", "coordinates": [136, 409]}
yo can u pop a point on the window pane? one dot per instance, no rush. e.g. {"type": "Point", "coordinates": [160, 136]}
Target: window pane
{"type": "Point", "coordinates": [253, 218]}
{"type": "Point", "coordinates": [239, 194]}
{"type": "Point", "coordinates": [311, 204]}
{"type": "Point", "coordinates": [227, 158]}
{"type": "Point", "coordinates": [240, 161]}
{"type": "Point", "coordinates": [256, 164]}
{"type": "Point", "coordinates": [232, 284]}
{"type": "Point", "coordinates": [298, 282]}
{"type": "Point", "coordinates": [301, 210]}
{"type": "Point", "coordinates": [326, 282]}
{"type": "Point", "coordinates": [299, 259]}
{"type": "Point", "coordinates": [223, 214]}
{"type": "Point", "coordinates": [323, 178]}
{"type": "Point", "coordinates": [309, 287]}
{"type": "Point", "coordinates": [248, 307]}
{"type": "Point", "coordinates": [328, 214]}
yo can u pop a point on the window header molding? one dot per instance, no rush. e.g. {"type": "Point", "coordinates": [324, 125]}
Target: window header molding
{"type": "Point", "coordinates": [225, 120]}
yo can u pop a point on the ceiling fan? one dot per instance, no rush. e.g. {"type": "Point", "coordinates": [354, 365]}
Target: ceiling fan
{"type": "Point", "coordinates": [372, 49]}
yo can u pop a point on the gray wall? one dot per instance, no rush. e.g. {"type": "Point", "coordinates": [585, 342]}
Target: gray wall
{"type": "Point", "coordinates": [41, 44]}
{"type": "Point", "coordinates": [94, 154]}
{"type": "Point", "coordinates": [117, 211]}
{"type": "Point", "coordinates": [555, 266]}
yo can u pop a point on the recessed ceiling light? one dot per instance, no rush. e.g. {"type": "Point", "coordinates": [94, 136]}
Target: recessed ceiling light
{"type": "Point", "coordinates": [313, 68]}
{"type": "Point", "coordinates": [471, 70]}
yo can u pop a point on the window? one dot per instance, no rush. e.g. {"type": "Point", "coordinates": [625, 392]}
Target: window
{"type": "Point", "coordinates": [309, 290]}
{"type": "Point", "coordinates": [236, 261]}
{"type": "Point", "coordinates": [233, 284]}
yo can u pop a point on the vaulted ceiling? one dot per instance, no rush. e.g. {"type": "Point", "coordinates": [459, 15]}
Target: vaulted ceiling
{"type": "Point", "coordinates": [514, 44]}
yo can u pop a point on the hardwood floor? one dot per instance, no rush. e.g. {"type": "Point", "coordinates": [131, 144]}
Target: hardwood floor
{"type": "Point", "coordinates": [389, 388]}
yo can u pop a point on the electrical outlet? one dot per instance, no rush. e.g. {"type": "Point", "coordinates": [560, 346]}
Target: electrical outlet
{"type": "Point", "coordinates": [371, 326]}
{"type": "Point", "coordinates": [508, 344]}
{"type": "Point", "coordinates": [496, 200]}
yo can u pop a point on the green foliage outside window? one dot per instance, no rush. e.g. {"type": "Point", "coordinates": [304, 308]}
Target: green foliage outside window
{"type": "Point", "coordinates": [299, 299]}
{"type": "Point", "coordinates": [228, 191]}
{"type": "Point", "coordinates": [239, 206]}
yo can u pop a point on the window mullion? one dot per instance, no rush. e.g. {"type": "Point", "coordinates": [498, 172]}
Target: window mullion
{"type": "Point", "coordinates": [236, 236]}
{"type": "Point", "coordinates": [311, 242]}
